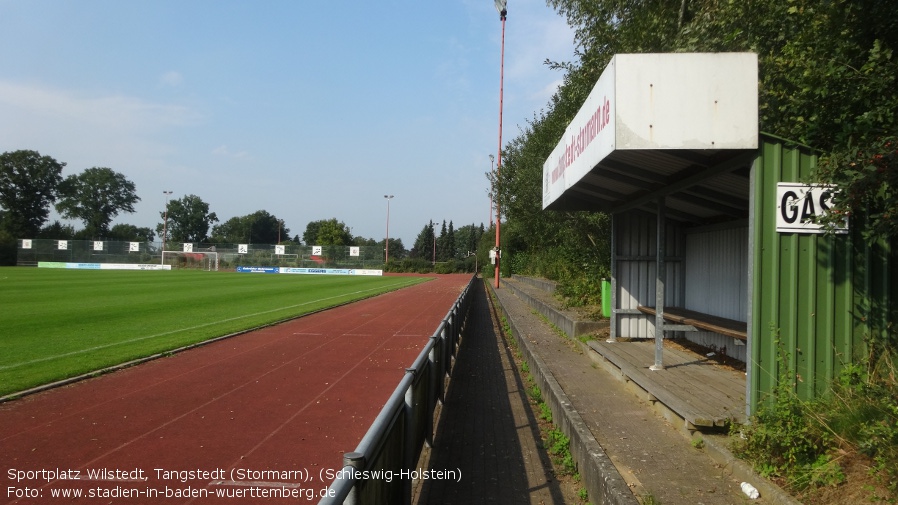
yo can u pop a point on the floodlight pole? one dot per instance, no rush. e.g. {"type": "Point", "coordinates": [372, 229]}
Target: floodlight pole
{"type": "Point", "coordinates": [434, 233]}
{"type": "Point", "coordinates": [501, 6]}
{"type": "Point", "coordinates": [164, 226]}
{"type": "Point", "coordinates": [492, 189]}
{"type": "Point", "coordinates": [387, 242]}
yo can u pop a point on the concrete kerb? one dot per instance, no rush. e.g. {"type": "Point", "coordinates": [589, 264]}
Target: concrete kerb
{"type": "Point", "coordinates": [601, 478]}
{"type": "Point", "coordinates": [543, 284]}
{"type": "Point", "coordinates": [565, 323]}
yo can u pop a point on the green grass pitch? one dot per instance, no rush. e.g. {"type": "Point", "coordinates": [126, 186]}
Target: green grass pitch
{"type": "Point", "coordinates": [56, 324]}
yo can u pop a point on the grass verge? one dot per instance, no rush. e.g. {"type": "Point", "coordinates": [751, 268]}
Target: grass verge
{"type": "Point", "coordinates": [555, 442]}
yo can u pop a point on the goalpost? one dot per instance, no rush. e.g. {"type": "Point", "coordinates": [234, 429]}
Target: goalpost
{"type": "Point", "coordinates": [204, 260]}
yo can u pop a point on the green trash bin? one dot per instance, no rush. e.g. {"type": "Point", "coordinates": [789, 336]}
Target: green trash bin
{"type": "Point", "coordinates": [606, 298]}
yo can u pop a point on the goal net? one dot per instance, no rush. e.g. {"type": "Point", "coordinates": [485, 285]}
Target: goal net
{"type": "Point", "coordinates": [192, 260]}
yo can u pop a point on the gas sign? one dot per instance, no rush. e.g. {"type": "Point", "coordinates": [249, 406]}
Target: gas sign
{"type": "Point", "coordinates": [799, 207]}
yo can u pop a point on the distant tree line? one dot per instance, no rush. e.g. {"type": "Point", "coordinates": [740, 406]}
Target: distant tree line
{"type": "Point", "coordinates": [30, 183]}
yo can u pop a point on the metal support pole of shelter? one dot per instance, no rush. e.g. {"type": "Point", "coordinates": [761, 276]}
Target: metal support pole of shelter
{"type": "Point", "coordinates": [612, 337]}
{"type": "Point", "coordinates": [659, 288]}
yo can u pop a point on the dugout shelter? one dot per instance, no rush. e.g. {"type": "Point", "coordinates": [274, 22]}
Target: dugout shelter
{"type": "Point", "coordinates": [714, 236]}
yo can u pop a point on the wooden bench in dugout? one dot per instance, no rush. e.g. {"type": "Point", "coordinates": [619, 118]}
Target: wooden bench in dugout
{"type": "Point", "coordinates": [690, 320]}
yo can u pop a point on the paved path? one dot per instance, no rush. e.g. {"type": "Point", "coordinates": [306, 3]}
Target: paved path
{"type": "Point", "coordinates": [487, 428]}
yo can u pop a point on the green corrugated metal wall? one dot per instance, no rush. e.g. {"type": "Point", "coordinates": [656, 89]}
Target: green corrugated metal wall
{"type": "Point", "coordinates": [810, 290]}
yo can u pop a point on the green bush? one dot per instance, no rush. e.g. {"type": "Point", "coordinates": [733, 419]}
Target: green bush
{"type": "Point", "coordinates": [782, 440]}
{"type": "Point", "coordinates": [802, 441]}
{"type": "Point", "coordinates": [863, 410]}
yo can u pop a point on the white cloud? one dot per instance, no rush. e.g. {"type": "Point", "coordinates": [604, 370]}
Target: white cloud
{"type": "Point", "coordinates": [112, 111]}
{"type": "Point", "coordinates": [223, 150]}
{"type": "Point", "coordinates": [171, 78]}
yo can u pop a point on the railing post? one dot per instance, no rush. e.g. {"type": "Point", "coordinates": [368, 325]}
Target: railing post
{"type": "Point", "coordinates": [355, 460]}
{"type": "Point", "coordinates": [410, 429]}
{"type": "Point", "coordinates": [435, 388]}
{"type": "Point", "coordinates": [447, 348]}
{"type": "Point", "coordinates": [450, 325]}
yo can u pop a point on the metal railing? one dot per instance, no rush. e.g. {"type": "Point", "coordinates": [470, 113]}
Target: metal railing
{"type": "Point", "coordinates": [378, 470]}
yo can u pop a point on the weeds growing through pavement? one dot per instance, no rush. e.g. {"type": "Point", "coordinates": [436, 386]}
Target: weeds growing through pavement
{"type": "Point", "coordinates": [556, 443]}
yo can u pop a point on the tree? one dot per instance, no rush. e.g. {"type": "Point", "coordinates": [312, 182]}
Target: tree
{"type": "Point", "coordinates": [445, 244]}
{"type": "Point", "coordinates": [424, 243]}
{"type": "Point", "coordinates": [333, 232]}
{"type": "Point", "coordinates": [468, 238]}
{"type": "Point", "coordinates": [96, 196]}
{"type": "Point", "coordinates": [869, 186]}
{"type": "Point", "coordinates": [364, 242]}
{"type": "Point", "coordinates": [57, 231]}
{"type": "Point", "coordinates": [259, 227]}
{"type": "Point", "coordinates": [28, 185]}
{"type": "Point", "coordinates": [189, 220]}
{"type": "Point", "coordinates": [232, 231]}
{"type": "Point", "coordinates": [130, 233]}
{"type": "Point", "coordinates": [310, 236]}
{"type": "Point", "coordinates": [397, 249]}
{"type": "Point", "coordinates": [450, 245]}
{"type": "Point", "coordinates": [327, 232]}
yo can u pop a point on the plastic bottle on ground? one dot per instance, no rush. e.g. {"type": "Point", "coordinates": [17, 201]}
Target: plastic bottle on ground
{"type": "Point", "coordinates": [750, 491]}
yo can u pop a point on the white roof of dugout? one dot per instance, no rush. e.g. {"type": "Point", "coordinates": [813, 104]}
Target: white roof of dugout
{"type": "Point", "coordinates": [683, 125]}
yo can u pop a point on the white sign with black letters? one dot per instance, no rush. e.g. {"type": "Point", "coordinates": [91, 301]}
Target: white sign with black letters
{"type": "Point", "coordinates": [800, 205]}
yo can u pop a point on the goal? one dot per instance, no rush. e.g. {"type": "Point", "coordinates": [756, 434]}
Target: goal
{"type": "Point", "coordinates": [192, 260]}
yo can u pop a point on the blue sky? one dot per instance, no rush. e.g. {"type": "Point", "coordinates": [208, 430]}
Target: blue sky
{"type": "Point", "coordinates": [308, 109]}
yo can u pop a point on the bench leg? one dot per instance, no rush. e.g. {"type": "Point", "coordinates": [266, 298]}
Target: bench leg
{"type": "Point", "coordinates": [659, 351]}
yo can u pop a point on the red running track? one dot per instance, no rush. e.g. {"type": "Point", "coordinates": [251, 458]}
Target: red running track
{"type": "Point", "coordinates": [278, 406]}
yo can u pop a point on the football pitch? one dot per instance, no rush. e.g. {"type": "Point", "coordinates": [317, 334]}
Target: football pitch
{"type": "Point", "coordinates": [57, 323]}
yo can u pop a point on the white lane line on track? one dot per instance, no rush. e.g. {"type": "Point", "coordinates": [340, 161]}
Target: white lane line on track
{"type": "Point", "coordinates": [177, 418]}
{"type": "Point", "coordinates": [308, 404]}
{"type": "Point", "coordinates": [147, 337]}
